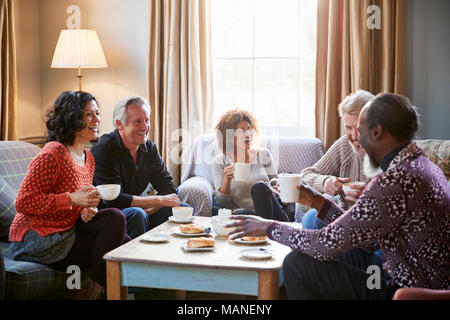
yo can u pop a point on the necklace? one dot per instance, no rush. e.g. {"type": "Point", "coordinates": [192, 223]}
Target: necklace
{"type": "Point", "coordinates": [79, 159]}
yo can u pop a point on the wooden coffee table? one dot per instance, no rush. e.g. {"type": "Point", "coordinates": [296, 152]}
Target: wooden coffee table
{"type": "Point", "coordinates": [139, 263]}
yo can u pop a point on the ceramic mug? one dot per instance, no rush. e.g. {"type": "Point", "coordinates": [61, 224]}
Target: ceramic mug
{"type": "Point", "coordinates": [288, 183]}
{"type": "Point", "coordinates": [241, 171]}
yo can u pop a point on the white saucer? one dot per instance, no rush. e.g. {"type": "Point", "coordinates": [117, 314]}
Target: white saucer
{"type": "Point", "coordinates": [178, 232]}
{"type": "Point", "coordinates": [257, 253]}
{"type": "Point", "coordinates": [241, 240]}
{"type": "Point", "coordinates": [172, 218]}
{"type": "Point", "coordinates": [186, 248]}
{"type": "Point", "coordinates": [156, 237]}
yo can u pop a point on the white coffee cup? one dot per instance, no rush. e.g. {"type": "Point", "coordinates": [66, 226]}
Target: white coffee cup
{"type": "Point", "coordinates": [108, 191]}
{"type": "Point", "coordinates": [218, 226]}
{"type": "Point", "coordinates": [182, 213]}
{"type": "Point", "coordinates": [288, 183]}
{"type": "Point", "coordinates": [224, 214]}
{"type": "Point", "coordinates": [241, 171]}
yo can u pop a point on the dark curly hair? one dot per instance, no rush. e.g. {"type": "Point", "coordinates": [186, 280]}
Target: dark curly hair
{"type": "Point", "coordinates": [66, 116]}
{"type": "Point", "coordinates": [230, 120]}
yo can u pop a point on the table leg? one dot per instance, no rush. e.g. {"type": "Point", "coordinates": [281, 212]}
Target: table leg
{"type": "Point", "coordinates": [268, 285]}
{"type": "Point", "coordinates": [114, 291]}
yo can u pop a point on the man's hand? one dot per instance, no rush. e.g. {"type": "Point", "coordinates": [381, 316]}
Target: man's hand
{"type": "Point", "coordinates": [310, 197]}
{"type": "Point", "coordinates": [88, 213]}
{"type": "Point", "coordinates": [248, 226]}
{"type": "Point", "coordinates": [355, 192]}
{"type": "Point", "coordinates": [152, 210]}
{"type": "Point", "coordinates": [333, 185]}
{"type": "Point", "coordinates": [170, 200]}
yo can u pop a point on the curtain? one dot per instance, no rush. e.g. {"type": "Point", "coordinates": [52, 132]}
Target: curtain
{"type": "Point", "coordinates": [180, 76]}
{"type": "Point", "coordinates": [352, 56]}
{"type": "Point", "coordinates": [8, 74]}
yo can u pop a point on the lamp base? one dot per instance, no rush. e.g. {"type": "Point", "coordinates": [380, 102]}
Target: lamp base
{"type": "Point", "coordinates": [79, 76]}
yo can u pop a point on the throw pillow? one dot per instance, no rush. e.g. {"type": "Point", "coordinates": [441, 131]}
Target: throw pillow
{"type": "Point", "coordinates": [7, 209]}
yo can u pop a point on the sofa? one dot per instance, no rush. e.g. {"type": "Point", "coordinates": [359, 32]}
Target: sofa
{"type": "Point", "coordinates": [291, 155]}
{"type": "Point", "coordinates": [18, 279]}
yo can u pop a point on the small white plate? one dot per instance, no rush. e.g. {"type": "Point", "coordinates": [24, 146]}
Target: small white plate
{"type": "Point", "coordinates": [257, 253]}
{"type": "Point", "coordinates": [186, 248]}
{"type": "Point", "coordinates": [241, 240]}
{"type": "Point", "coordinates": [156, 237]}
{"type": "Point", "coordinates": [172, 218]}
{"type": "Point", "coordinates": [177, 231]}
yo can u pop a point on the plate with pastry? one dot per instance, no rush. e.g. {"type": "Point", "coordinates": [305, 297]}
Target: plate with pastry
{"type": "Point", "coordinates": [192, 229]}
{"type": "Point", "coordinates": [252, 240]}
{"type": "Point", "coordinates": [155, 237]}
{"type": "Point", "coordinates": [257, 253]}
{"type": "Point", "coordinates": [199, 244]}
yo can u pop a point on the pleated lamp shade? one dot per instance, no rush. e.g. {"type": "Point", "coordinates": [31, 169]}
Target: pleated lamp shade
{"type": "Point", "coordinates": [78, 48]}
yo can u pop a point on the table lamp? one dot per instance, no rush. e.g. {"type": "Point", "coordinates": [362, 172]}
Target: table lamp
{"type": "Point", "coordinates": [78, 48]}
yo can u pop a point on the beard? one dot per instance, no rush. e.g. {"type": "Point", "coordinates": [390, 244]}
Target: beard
{"type": "Point", "coordinates": [370, 169]}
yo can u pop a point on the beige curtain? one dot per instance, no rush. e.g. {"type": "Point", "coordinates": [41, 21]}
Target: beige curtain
{"type": "Point", "coordinates": [352, 56]}
{"type": "Point", "coordinates": [180, 76]}
{"type": "Point", "coordinates": [8, 74]}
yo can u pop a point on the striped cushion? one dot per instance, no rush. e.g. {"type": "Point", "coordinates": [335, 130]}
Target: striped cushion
{"type": "Point", "coordinates": [15, 156]}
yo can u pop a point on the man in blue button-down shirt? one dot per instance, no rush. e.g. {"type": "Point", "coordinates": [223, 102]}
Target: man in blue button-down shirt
{"type": "Point", "coordinates": [127, 157]}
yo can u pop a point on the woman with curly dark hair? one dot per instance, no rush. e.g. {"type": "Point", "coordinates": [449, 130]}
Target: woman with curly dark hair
{"type": "Point", "coordinates": [57, 221]}
{"type": "Point", "coordinates": [237, 137]}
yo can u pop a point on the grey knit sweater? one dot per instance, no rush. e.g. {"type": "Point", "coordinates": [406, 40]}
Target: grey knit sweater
{"type": "Point", "coordinates": [262, 169]}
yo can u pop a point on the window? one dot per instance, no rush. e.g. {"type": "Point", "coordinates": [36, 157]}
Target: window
{"type": "Point", "coordinates": [264, 61]}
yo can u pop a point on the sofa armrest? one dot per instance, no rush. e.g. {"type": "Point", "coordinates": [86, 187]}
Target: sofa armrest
{"type": "Point", "coordinates": [197, 192]}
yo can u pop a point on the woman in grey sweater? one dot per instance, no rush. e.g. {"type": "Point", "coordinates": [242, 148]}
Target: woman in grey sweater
{"type": "Point", "coordinates": [237, 135]}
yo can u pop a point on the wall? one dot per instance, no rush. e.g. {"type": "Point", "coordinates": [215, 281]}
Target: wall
{"type": "Point", "coordinates": [428, 65]}
{"type": "Point", "coordinates": [122, 27]}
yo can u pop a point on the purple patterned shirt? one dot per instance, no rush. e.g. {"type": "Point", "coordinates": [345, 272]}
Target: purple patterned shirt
{"type": "Point", "coordinates": [406, 210]}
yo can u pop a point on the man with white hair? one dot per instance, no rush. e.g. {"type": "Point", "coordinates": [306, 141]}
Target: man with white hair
{"type": "Point", "coordinates": [342, 163]}
{"type": "Point", "coordinates": [127, 157]}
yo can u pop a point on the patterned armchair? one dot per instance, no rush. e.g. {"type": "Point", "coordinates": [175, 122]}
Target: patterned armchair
{"type": "Point", "coordinates": [291, 154]}
{"type": "Point", "coordinates": [19, 279]}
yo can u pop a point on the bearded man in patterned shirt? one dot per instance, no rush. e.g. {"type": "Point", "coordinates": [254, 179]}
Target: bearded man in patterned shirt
{"type": "Point", "coordinates": [405, 210]}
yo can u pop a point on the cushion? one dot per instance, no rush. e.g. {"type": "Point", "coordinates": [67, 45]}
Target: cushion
{"type": "Point", "coordinates": [7, 209]}
{"type": "Point", "coordinates": [437, 151]}
{"type": "Point", "coordinates": [29, 280]}
{"type": "Point", "coordinates": [15, 156]}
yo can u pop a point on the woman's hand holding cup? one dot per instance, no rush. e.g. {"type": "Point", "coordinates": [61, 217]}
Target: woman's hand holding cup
{"type": "Point", "coordinates": [228, 173]}
{"type": "Point", "coordinates": [86, 197]}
